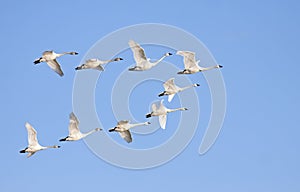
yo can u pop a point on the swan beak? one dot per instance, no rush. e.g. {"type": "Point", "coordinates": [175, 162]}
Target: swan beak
{"type": "Point", "coordinates": [220, 66]}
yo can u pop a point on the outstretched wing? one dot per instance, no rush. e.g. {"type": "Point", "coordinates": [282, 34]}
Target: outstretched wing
{"type": "Point", "coordinates": [162, 121]}
{"type": "Point", "coordinates": [170, 97]}
{"type": "Point", "coordinates": [138, 52]}
{"type": "Point", "coordinates": [30, 154]}
{"type": "Point", "coordinates": [32, 138]}
{"type": "Point", "coordinates": [53, 64]}
{"type": "Point", "coordinates": [169, 85]}
{"type": "Point", "coordinates": [123, 122]}
{"type": "Point", "coordinates": [154, 107]}
{"type": "Point", "coordinates": [73, 125]}
{"type": "Point", "coordinates": [126, 135]}
{"type": "Point", "coordinates": [189, 59]}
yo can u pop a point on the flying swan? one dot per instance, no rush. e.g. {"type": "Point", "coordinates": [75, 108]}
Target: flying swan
{"type": "Point", "coordinates": [50, 58]}
{"type": "Point", "coordinates": [142, 62]}
{"type": "Point", "coordinates": [33, 144]}
{"type": "Point", "coordinates": [171, 89]}
{"type": "Point", "coordinates": [161, 111]}
{"type": "Point", "coordinates": [74, 132]}
{"type": "Point", "coordinates": [123, 127]}
{"type": "Point", "coordinates": [96, 64]}
{"type": "Point", "coordinates": [191, 65]}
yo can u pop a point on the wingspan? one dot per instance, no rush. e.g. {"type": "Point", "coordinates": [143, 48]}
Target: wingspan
{"type": "Point", "coordinates": [123, 122]}
{"type": "Point", "coordinates": [189, 59]}
{"type": "Point", "coordinates": [162, 121]}
{"type": "Point", "coordinates": [32, 138]}
{"type": "Point", "coordinates": [171, 97]}
{"type": "Point", "coordinates": [126, 135]}
{"type": "Point", "coordinates": [53, 64]}
{"type": "Point", "coordinates": [73, 125]}
{"type": "Point", "coordinates": [138, 52]}
{"type": "Point", "coordinates": [169, 85]}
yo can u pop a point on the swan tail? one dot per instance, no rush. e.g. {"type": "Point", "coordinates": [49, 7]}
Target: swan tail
{"type": "Point", "coordinates": [23, 151]}
{"type": "Point", "coordinates": [78, 68]}
{"type": "Point", "coordinates": [63, 139]}
{"type": "Point", "coordinates": [37, 61]}
{"type": "Point", "coordinates": [111, 130]}
{"type": "Point", "coordinates": [162, 94]}
{"type": "Point", "coordinates": [148, 115]}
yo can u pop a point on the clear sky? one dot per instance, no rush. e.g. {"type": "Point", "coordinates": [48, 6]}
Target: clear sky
{"type": "Point", "coordinates": [256, 42]}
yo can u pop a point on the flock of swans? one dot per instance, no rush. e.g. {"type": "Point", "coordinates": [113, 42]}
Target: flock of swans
{"type": "Point", "coordinates": [123, 127]}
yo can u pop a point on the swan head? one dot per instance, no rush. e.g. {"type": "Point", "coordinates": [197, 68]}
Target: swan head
{"type": "Point", "coordinates": [219, 66]}
{"type": "Point", "coordinates": [168, 54]}
{"type": "Point", "coordinates": [98, 129]}
{"type": "Point", "coordinates": [56, 146]}
{"type": "Point", "coordinates": [73, 53]}
{"type": "Point", "coordinates": [118, 59]}
{"type": "Point", "coordinates": [147, 123]}
{"type": "Point", "coordinates": [196, 85]}
{"type": "Point", "coordinates": [184, 109]}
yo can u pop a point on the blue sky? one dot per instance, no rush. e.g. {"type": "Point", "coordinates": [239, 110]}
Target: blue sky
{"type": "Point", "coordinates": [256, 42]}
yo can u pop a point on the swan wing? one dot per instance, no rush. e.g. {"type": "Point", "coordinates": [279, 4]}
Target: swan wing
{"type": "Point", "coordinates": [73, 124]}
{"type": "Point", "coordinates": [126, 135]}
{"type": "Point", "coordinates": [32, 138]}
{"type": "Point", "coordinates": [154, 107]}
{"type": "Point", "coordinates": [162, 120]}
{"type": "Point", "coordinates": [30, 154]}
{"type": "Point", "coordinates": [170, 85]}
{"type": "Point", "coordinates": [170, 97]}
{"type": "Point", "coordinates": [189, 58]}
{"type": "Point", "coordinates": [123, 122]}
{"type": "Point", "coordinates": [138, 52]}
{"type": "Point", "coordinates": [99, 68]}
{"type": "Point", "coordinates": [53, 64]}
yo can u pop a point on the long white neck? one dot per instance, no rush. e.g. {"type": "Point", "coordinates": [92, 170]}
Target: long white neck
{"type": "Point", "coordinates": [138, 124]}
{"type": "Point", "coordinates": [88, 133]}
{"type": "Point", "coordinates": [53, 146]}
{"type": "Point", "coordinates": [208, 68]}
{"type": "Point", "coordinates": [187, 87]}
{"type": "Point", "coordinates": [156, 62]}
{"type": "Point", "coordinates": [177, 109]}
{"type": "Point", "coordinates": [65, 53]}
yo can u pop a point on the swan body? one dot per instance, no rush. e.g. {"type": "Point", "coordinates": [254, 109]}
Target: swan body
{"type": "Point", "coordinates": [50, 58]}
{"type": "Point", "coordinates": [123, 129]}
{"type": "Point", "coordinates": [96, 64]}
{"type": "Point", "coordinates": [161, 111]}
{"type": "Point", "coordinates": [171, 89]}
{"type": "Point", "coordinates": [74, 132]}
{"type": "Point", "coordinates": [191, 66]}
{"type": "Point", "coordinates": [33, 144]}
{"type": "Point", "coordinates": [142, 62]}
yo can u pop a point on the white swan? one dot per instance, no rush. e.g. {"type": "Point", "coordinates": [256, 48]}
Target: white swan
{"type": "Point", "coordinates": [33, 144]}
{"type": "Point", "coordinates": [74, 132]}
{"type": "Point", "coordinates": [50, 58]}
{"type": "Point", "coordinates": [96, 64]}
{"type": "Point", "coordinates": [161, 111]}
{"type": "Point", "coordinates": [123, 129]}
{"type": "Point", "coordinates": [142, 62]}
{"type": "Point", "coordinates": [171, 89]}
{"type": "Point", "coordinates": [191, 65]}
